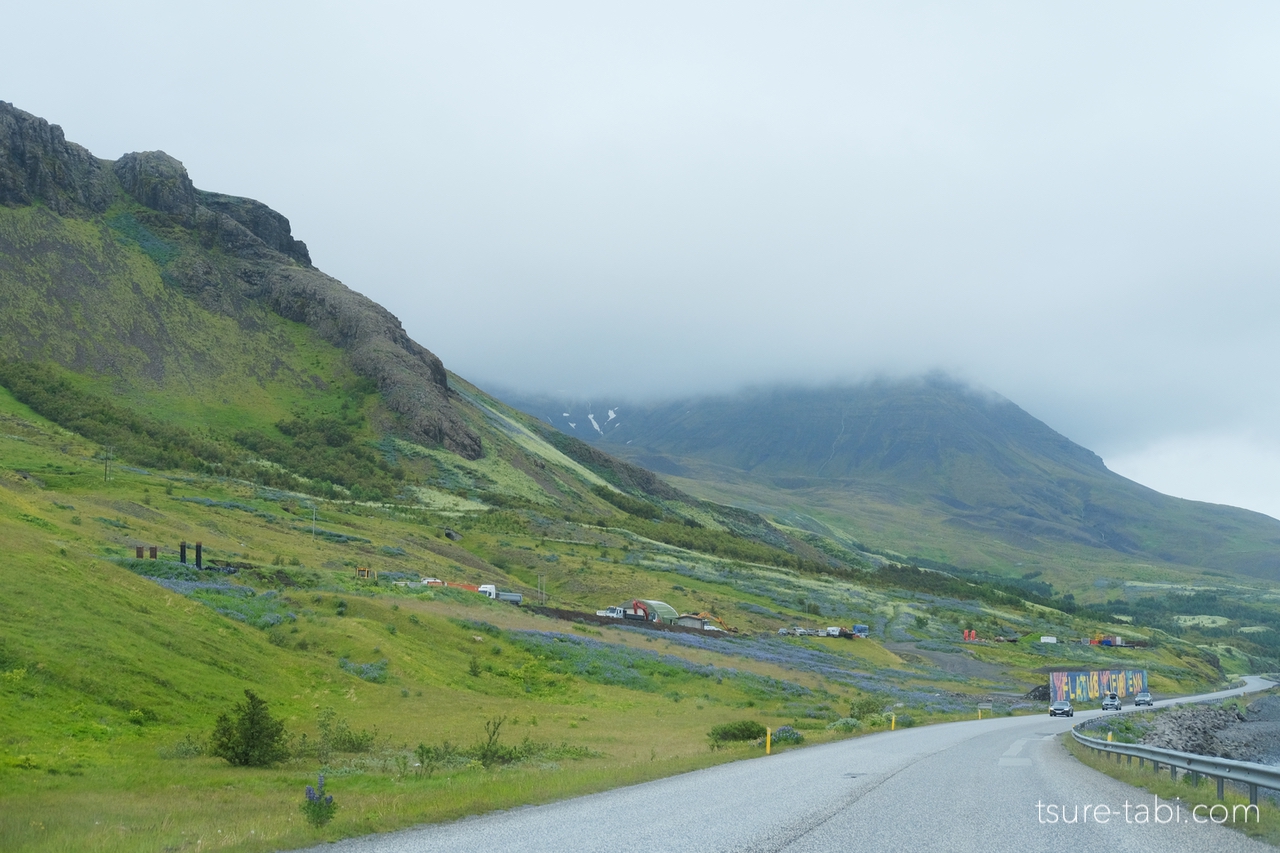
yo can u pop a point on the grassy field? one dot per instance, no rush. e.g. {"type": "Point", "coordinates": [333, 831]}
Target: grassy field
{"type": "Point", "coordinates": [114, 669]}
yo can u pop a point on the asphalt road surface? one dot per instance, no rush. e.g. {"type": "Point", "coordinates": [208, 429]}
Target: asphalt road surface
{"type": "Point", "coordinates": [976, 785]}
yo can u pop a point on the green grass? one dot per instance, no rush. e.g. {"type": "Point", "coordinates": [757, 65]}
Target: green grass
{"type": "Point", "coordinates": [1265, 827]}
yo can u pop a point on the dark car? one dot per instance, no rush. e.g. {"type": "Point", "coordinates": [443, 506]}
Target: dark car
{"type": "Point", "coordinates": [1143, 698]}
{"type": "Point", "coordinates": [1061, 708]}
{"type": "Point", "coordinates": [1111, 703]}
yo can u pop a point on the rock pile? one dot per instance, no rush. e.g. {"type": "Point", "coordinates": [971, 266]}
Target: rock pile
{"type": "Point", "coordinates": [1225, 733]}
{"type": "Point", "coordinates": [1191, 728]}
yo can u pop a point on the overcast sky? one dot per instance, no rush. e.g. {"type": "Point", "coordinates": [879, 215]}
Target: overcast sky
{"type": "Point", "coordinates": [1075, 205]}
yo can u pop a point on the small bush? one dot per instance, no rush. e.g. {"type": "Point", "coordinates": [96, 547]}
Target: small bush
{"type": "Point", "coordinates": [786, 734]}
{"type": "Point", "coordinates": [866, 706]}
{"type": "Point", "coordinates": [431, 757]}
{"type": "Point", "coordinates": [736, 731]}
{"type": "Point", "coordinates": [905, 721]}
{"type": "Point", "coordinates": [188, 747]}
{"type": "Point", "coordinates": [374, 672]}
{"type": "Point", "coordinates": [845, 724]}
{"type": "Point", "coordinates": [249, 736]}
{"type": "Point", "coordinates": [318, 806]}
{"type": "Point", "coordinates": [336, 735]}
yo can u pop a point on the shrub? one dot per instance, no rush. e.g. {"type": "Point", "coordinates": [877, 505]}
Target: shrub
{"type": "Point", "coordinates": [845, 724]}
{"type": "Point", "coordinates": [865, 706]}
{"type": "Point", "coordinates": [318, 806]}
{"type": "Point", "coordinates": [336, 735]}
{"type": "Point", "coordinates": [489, 752]}
{"type": "Point", "coordinates": [905, 721]}
{"type": "Point", "coordinates": [249, 736]}
{"type": "Point", "coordinates": [786, 734]}
{"type": "Point", "coordinates": [188, 747]}
{"type": "Point", "coordinates": [375, 672]}
{"type": "Point", "coordinates": [431, 757]}
{"type": "Point", "coordinates": [740, 730]}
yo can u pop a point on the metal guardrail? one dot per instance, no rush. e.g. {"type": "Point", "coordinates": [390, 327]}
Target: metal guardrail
{"type": "Point", "coordinates": [1254, 776]}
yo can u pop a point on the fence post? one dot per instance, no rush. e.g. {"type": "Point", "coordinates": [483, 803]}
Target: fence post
{"type": "Point", "coordinates": [1220, 781]}
{"type": "Point", "coordinates": [1253, 794]}
{"type": "Point", "coordinates": [768, 741]}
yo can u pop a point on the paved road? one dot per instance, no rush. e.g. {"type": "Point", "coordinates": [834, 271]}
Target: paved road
{"type": "Point", "coordinates": [972, 785]}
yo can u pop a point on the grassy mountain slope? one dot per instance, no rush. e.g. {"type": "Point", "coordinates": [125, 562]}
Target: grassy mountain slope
{"type": "Point", "coordinates": [935, 471]}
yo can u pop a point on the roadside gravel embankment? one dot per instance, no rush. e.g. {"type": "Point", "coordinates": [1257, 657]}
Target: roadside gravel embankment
{"type": "Point", "coordinates": [1253, 735]}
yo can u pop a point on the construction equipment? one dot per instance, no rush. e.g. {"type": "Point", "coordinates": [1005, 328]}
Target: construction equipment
{"type": "Point", "coordinates": [712, 618]}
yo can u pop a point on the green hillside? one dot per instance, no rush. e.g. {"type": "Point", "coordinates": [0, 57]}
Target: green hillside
{"type": "Point", "coordinates": [940, 473]}
{"type": "Point", "coordinates": [174, 370]}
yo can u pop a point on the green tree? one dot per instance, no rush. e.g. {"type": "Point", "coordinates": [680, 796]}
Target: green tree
{"type": "Point", "coordinates": [249, 736]}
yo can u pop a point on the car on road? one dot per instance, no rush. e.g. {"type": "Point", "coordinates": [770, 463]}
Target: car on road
{"type": "Point", "coordinates": [1111, 703]}
{"type": "Point", "coordinates": [1143, 698]}
{"type": "Point", "coordinates": [1061, 708]}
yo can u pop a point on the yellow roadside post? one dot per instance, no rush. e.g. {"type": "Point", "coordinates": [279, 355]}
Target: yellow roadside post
{"type": "Point", "coordinates": [979, 713]}
{"type": "Point", "coordinates": [893, 721]}
{"type": "Point", "coordinates": [1108, 737]}
{"type": "Point", "coordinates": [768, 741]}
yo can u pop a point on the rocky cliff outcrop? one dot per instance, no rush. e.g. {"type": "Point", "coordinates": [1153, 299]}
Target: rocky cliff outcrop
{"type": "Point", "coordinates": [37, 163]}
{"type": "Point", "coordinates": [263, 222]}
{"type": "Point", "coordinates": [157, 180]}
{"type": "Point", "coordinates": [258, 259]}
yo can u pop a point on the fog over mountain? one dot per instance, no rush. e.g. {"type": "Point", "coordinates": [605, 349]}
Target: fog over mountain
{"type": "Point", "coordinates": [1074, 206]}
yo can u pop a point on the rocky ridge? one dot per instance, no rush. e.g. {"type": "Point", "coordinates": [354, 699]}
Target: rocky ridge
{"type": "Point", "coordinates": [267, 264]}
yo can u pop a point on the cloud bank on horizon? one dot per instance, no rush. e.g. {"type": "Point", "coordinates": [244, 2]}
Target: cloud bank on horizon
{"type": "Point", "coordinates": [1075, 206]}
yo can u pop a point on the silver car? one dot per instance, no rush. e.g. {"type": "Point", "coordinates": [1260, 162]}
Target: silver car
{"type": "Point", "coordinates": [1143, 698]}
{"type": "Point", "coordinates": [1111, 703]}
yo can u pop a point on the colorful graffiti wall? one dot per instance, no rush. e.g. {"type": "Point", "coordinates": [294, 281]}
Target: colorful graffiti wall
{"type": "Point", "coordinates": [1092, 685]}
